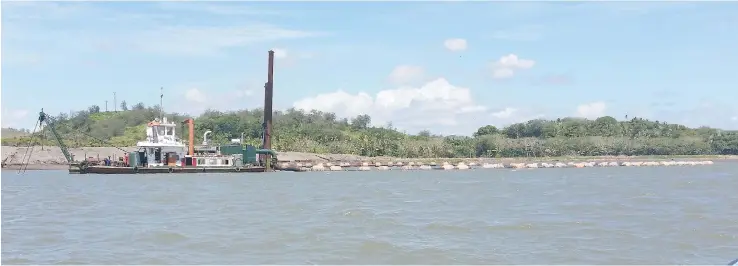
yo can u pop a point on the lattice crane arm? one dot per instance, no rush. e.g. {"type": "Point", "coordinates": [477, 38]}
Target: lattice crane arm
{"type": "Point", "coordinates": [49, 120]}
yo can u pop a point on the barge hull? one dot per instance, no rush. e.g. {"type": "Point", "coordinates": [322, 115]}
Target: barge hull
{"type": "Point", "coordinates": [162, 170]}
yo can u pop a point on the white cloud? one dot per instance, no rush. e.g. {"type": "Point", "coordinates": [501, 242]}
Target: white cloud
{"type": "Point", "coordinates": [195, 95]}
{"type": "Point", "coordinates": [512, 61]}
{"type": "Point", "coordinates": [735, 118]}
{"type": "Point", "coordinates": [405, 74]}
{"type": "Point", "coordinates": [505, 113]}
{"type": "Point", "coordinates": [455, 45]}
{"type": "Point", "coordinates": [289, 58]}
{"type": "Point", "coordinates": [306, 55]}
{"type": "Point", "coordinates": [202, 97]}
{"type": "Point", "coordinates": [506, 66]}
{"type": "Point", "coordinates": [209, 40]}
{"type": "Point", "coordinates": [435, 104]}
{"type": "Point", "coordinates": [591, 110]}
{"type": "Point", "coordinates": [502, 73]}
{"type": "Point", "coordinates": [279, 53]}
{"type": "Point", "coordinates": [218, 8]}
{"type": "Point", "coordinates": [42, 10]}
{"type": "Point", "coordinates": [159, 32]}
{"type": "Point", "coordinates": [508, 115]}
{"type": "Point", "coordinates": [15, 118]}
{"type": "Point", "coordinates": [244, 93]}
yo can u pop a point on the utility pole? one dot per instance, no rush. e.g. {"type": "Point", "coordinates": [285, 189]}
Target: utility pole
{"type": "Point", "coordinates": [115, 102]}
{"type": "Point", "coordinates": [106, 106]}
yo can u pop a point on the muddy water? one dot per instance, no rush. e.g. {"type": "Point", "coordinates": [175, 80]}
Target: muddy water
{"type": "Point", "coordinates": [649, 215]}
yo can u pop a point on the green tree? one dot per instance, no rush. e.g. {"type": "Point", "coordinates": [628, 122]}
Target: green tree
{"type": "Point", "coordinates": [485, 130]}
{"type": "Point", "coordinates": [361, 122]}
{"type": "Point", "coordinates": [322, 132]}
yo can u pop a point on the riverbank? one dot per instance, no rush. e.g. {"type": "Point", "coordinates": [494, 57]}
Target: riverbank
{"type": "Point", "coordinates": [36, 167]}
{"type": "Point", "coordinates": [51, 158]}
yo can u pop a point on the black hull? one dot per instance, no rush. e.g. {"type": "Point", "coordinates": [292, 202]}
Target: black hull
{"type": "Point", "coordinates": [163, 170]}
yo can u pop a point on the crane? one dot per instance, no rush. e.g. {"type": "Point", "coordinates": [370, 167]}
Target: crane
{"type": "Point", "coordinates": [43, 117]}
{"type": "Point", "coordinates": [50, 122]}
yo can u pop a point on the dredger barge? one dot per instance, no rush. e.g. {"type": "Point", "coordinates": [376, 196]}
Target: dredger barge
{"type": "Point", "coordinates": [163, 152]}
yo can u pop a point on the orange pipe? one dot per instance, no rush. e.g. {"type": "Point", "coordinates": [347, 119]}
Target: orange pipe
{"type": "Point", "coordinates": [191, 145]}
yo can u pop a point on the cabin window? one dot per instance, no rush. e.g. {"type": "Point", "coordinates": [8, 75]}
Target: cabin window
{"type": "Point", "coordinates": [226, 162]}
{"type": "Point", "coordinates": [169, 131]}
{"type": "Point", "coordinates": [211, 162]}
{"type": "Point", "coordinates": [200, 161]}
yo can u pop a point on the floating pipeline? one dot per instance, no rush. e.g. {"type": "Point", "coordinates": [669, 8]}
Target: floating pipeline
{"type": "Point", "coordinates": [365, 166]}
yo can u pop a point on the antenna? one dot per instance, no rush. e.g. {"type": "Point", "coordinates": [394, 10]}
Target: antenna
{"type": "Point", "coordinates": [161, 104]}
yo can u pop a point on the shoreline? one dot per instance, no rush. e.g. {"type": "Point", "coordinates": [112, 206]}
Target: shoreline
{"type": "Point", "coordinates": [454, 161]}
{"type": "Point", "coordinates": [16, 167]}
{"type": "Point", "coordinates": [51, 158]}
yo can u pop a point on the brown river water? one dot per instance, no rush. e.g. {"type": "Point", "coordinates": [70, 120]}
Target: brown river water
{"type": "Point", "coordinates": [619, 215]}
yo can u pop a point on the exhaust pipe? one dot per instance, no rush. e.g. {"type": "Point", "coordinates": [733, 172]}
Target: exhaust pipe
{"type": "Point", "coordinates": [205, 137]}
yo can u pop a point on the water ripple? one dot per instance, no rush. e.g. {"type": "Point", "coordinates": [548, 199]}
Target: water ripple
{"type": "Point", "coordinates": [559, 216]}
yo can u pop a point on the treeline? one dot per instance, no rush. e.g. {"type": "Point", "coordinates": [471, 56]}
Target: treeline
{"type": "Point", "coordinates": [320, 132]}
{"type": "Point", "coordinates": [14, 132]}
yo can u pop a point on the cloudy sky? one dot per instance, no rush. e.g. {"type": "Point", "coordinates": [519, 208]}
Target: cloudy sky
{"type": "Point", "coordinates": [448, 67]}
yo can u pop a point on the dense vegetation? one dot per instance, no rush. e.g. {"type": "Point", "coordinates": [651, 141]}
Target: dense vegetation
{"type": "Point", "coordinates": [320, 132]}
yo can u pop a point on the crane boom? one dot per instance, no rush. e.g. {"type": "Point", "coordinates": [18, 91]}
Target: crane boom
{"type": "Point", "coordinates": [43, 117]}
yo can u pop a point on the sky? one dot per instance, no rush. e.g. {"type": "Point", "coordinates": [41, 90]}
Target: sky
{"type": "Point", "coordinates": [447, 67]}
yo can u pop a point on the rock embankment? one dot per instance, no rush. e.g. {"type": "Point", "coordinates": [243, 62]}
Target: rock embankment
{"type": "Point", "coordinates": [51, 157]}
{"type": "Point", "coordinates": [366, 166]}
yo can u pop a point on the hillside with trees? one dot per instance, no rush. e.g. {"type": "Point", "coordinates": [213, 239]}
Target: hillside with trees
{"type": "Point", "coordinates": [320, 132]}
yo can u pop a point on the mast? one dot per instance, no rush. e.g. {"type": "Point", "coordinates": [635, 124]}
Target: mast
{"type": "Point", "coordinates": [268, 99]}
